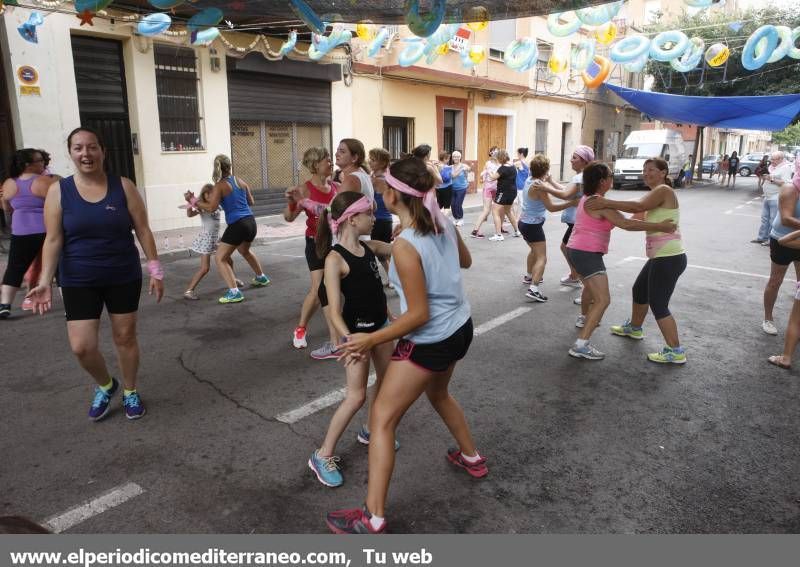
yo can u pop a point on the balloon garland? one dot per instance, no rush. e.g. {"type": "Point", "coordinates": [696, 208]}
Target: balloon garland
{"type": "Point", "coordinates": [601, 68]}
{"type": "Point", "coordinates": [752, 60]}
{"type": "Point", "coordinates": [784, 43]}
{"type": "Point", "coordinates": [288, 45]}
{"type": "Point", "coordinates": [321, 45]}
{"type": "Point", "coordinates": [629, 49]}
{"type": "Point", "coordinates": [521, 54]}
{"type": "Point", "coordinates": [794, 52]}
{"type": "Point", "coordinates": [691, 57]}
{"type": "Point", "coordinates": [154, 24]}
{"type": "Point", "coordinates": [717, 55]}
{"type": "Point", "coordinates": [582, 54]}
{"type": "Point", "coordinates": [376, 44]}
{"type": "Point", "coordinates": [606, 33]}
{"type": "Point", "coordinates": [558, 29]}
{"type": "Point", "coordinates": [598, 15]}
{"type": "Point", "coordinates": [676, 39]}
{"type": "Point", "coordinates": [424, 26]}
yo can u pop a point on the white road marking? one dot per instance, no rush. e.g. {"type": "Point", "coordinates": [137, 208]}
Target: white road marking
{"type": "Point", "coordinates": [708, 268]}
{"type": "Point", "coordinates": [745, 215]}
{"type": "Point", "coordinates": [93, 507]}
{"type": "Point", "coordinates": [728, 212]}
{"type": "Point", "coordinates": [336, 396]}
{"type": "Point", "coordinates": [739, 206]}
{"type": "Point", "coordinates": [502, 319]}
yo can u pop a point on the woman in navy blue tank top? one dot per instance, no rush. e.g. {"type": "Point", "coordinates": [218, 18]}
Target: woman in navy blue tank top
{"type": "Point", "coordinates": [89, 218]}
{"type": "Point", "coordinates": [235, 197]}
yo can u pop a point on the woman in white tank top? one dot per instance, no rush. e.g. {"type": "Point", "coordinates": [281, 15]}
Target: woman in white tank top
{"type": "Point", "coordinates": [350, 157]}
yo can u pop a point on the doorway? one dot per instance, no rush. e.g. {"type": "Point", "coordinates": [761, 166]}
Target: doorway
{"type": "Point", "coordinates": [103, 99]}
{"type": "Point", "coordinates": [491, 132]}
{"type": "Point", "coordinates": [566, 133]}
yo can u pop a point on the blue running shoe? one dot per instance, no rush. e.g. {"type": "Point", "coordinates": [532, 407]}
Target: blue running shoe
{"type": "Point", "coordinates": [232, 297]}
{"type": "Point", "coordinates": [261, 281]}
{"type": "Point", "coordinates": [363, 438]}
{"type": "Point", "coordinates": [101, 400]}
{"type": "Point", "coordinates": [326, 469]}
{"type": "Point", "coordinates": [133, 405]}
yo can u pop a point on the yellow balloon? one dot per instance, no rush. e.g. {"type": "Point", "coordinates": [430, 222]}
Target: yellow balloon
{"type": "Point", "coordinates": [717, 54]}
{"type": "Point", "coordinates": [477, 54]}
{"type": "Point", "coordinates": [606, 33]}
{"type": "Point", "coordinates": [365, 32]}
{"type": "Point", "coordinates": [478, 26]}
{"type": "Point", "coordinates": [442, 49]}
{"type": "Point", "coordinates": [477, 14]}
{"type": "Point", "coordinates": [557, 63]}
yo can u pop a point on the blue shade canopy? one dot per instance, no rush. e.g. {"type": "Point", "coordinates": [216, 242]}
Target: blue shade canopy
{"type": "Point", "coordinates": [743, 112]}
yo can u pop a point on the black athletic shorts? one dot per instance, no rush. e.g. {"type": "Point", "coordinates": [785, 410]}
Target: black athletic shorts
{"type": "Point", "coordinates": [587, 264]}
{"type": "Point", "coordinates": [382, 230]}
{"type": "Point", "coordinates": [532, 232]}
{"type": "Point", "coordinates": [567, 234]}
{"type": "Point", "coordinates": [314, 262]}
{"type": "Point", "coordinates": [444, 196]}
{"type": "Point", "coordinates": [782, 255]}
{"type": "Point", "coordinates": [436, 357]}
{"type": "Point", "coordinates": [22, 254]}
{"type": "Point", "coordinates": [505, 197]}
{"type": "Point", "coordinates": [82, 303]}
{"type": "Point", "coordinates": [243, 230]}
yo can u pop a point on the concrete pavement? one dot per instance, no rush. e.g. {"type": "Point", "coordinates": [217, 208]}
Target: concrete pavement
{"type": "Point", "coordinates": [620, 446]}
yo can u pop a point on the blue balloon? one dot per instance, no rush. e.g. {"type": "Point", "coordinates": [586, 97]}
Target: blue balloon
{"type": "Point", "coordinates": [204, 36]}
{"type": "Point", "coordinates": [376, 44]}
{"type": "Point", "coordinates": [423, 26]}
{"type": "Point", "coordinates": [165, 4]}
{"type": "Point", "coordinates": [752, 61]}
{"type": "Point", "coordinates": [679, 43]}
{"type": "Point", "coordinates": [632, 48]}
{"type": "Point", "coordinates": [154, 24]}
{"type": "Point", "coordinates": [207, 18]}
{"type": "Point", "coordinates": [308, 16]}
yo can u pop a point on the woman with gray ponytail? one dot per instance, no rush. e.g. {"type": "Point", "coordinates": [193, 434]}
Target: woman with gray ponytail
{"type": "Point", "coordinates": [235, 198]}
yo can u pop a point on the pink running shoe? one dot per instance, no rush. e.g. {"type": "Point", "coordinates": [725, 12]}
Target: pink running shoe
{"type": "Point", "coordinates": [476, 470]}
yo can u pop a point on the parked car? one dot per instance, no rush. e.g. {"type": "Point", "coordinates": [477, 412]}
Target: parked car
{"type": "Point", "coordinates": [709, 163]}
{"type": "Point", "coordinates": [749, 163]}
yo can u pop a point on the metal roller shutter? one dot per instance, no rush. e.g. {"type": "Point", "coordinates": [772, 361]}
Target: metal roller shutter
{"type": "Point", "coordinates": [256, 96]}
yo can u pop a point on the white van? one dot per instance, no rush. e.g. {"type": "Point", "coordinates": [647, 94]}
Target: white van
{"type": "Point", "coordinates": [643, 144]}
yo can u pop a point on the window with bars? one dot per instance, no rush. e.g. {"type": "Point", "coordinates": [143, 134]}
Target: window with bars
{"type": "Point", "coordinates": [178, 98]}
{"type": "Point", "coordinates": [398, 135]}
{"type": "Point", "coordinates": [541, 137]}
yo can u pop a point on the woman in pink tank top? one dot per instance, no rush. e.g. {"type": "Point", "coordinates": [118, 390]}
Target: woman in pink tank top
{"type": "Point", "coordinates": [311, 198]}
{"type": "Point", "coordinates": [585, 249]}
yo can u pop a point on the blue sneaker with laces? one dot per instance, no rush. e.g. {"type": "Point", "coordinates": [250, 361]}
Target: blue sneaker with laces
{"type": "Point", "coordinates": [232, 297]}
{"type": "Point", "coordinates": [101, 400]}
{"type": "Point", "coordinates": [326, 469]}
{"type": "Point", "coordinates": [133, 405]}
{"type": "Point", "coordinates": [363, 438]}
{"type": "Point", "coordinates": [261, 281]}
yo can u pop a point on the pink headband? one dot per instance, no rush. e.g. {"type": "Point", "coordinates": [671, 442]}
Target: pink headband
{"type": "Point", "coordinates": [585, 153]}
{"type": "Point", "coordinates": [428, 200]}
{"type": "Point", "coordinates": [361, 206]}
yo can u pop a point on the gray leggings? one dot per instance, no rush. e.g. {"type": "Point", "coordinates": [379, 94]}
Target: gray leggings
{"type": "Point", "coordinates": [656, 282]}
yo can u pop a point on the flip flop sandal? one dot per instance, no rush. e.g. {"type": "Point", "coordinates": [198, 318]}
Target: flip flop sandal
{"type": "Point", "coordinates": [776, 360]}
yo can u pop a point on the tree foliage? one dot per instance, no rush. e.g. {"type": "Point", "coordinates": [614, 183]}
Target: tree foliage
{"type": "Point", "coordinates": [789, 136]}
{"type": "Point", "coordinates": [713, 26]}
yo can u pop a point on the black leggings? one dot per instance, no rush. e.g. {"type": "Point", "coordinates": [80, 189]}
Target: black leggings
{"type": "Point", "coordinates": [656, 282]}
{"type": "Point", "coordinates": [21, 255]}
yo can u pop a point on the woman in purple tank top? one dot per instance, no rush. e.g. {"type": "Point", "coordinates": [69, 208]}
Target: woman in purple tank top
{"type": "Point", "coordinates": [23, 198]}
{"type": "Point", "coordinates": [90, 217]}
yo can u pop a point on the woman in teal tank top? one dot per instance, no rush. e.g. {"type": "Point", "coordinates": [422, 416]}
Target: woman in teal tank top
{"type": "Point", "coordinates": [666, 261]}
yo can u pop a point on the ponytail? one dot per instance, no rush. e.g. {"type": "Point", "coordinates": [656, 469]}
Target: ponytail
{"type": "Point", "coordinates": [21, 159]}
{"type": "Point", "coordinates": [324, 237]}
{"type": "Point", "coordinates": [222, 167]}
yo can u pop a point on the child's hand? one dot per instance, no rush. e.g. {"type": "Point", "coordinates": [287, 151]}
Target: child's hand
{"type": "Point", "coordinates": [188, 196]}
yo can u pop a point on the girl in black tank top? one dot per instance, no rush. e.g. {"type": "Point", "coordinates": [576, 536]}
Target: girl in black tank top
{"type": "Point", "coordinates": [351, 270]}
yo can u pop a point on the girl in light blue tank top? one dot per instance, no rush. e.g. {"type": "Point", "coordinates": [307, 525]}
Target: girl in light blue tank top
{"type": "Point", "coordinates": [435, 329]}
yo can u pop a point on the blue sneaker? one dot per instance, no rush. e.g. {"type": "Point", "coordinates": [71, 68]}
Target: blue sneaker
{"type": "Point", "coordinates": [363, 438]}
{"type": "Point", "coordinates": [101, 400]}
{"type": "Point", "coordinates": [261, 281]}
{"type": "Point", "coordinates": [133, 405]}
{"type": "Point", "coordinates": [232, 297]}
{"type": "Point", "coordinates": [326, 469]}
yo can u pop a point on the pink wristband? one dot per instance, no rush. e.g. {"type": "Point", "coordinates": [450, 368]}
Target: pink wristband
{"type": "Point", "coordinates": [155, 269]}
{"type": "Point", "coordinates": [193, 201]}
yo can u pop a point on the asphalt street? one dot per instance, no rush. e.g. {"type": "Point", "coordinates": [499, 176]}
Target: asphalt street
{"type": "Point", "coordinates": [617, 446]}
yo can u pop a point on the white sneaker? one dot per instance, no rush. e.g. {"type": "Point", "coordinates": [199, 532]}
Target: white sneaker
{"type": "Point", "coordinates": [460, 222]}
{"type": "Point", "coordinates": [580, 321]}
{"type": "Point", "coordinates": [496, 238]}
{"type": "Point", "coordinates": [769, 328]}
{"type": "Point", "coordinates": [517, 234]}
{"type": "Point", "coordinates": [569, 282]}
{"type": "Point", "coordinates": [577, 300]}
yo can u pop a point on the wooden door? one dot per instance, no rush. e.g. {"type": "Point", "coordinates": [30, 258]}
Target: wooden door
{"type": "Point", "coordinates": [491, 132]}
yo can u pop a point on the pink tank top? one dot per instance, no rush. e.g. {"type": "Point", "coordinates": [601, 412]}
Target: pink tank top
{"type": "Point", "coordinates": [589, 234]}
